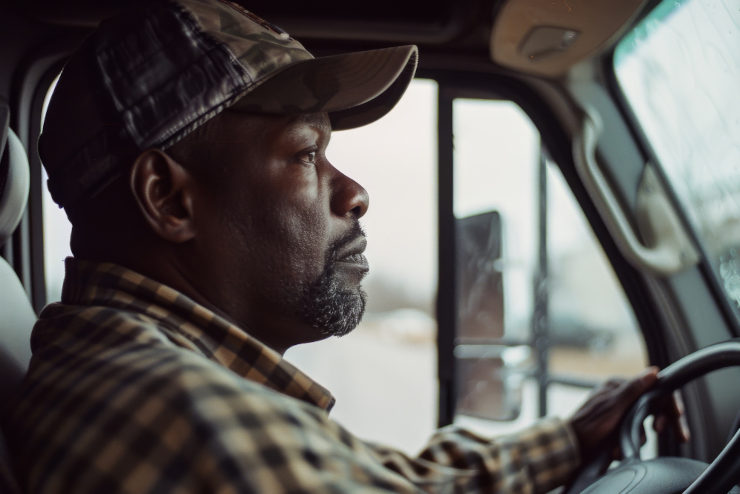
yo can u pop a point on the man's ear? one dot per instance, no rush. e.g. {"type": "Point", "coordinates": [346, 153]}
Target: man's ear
{"type": "Point", "coordinates": [164, 192]}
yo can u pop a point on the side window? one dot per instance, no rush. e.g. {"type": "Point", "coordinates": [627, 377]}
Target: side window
{"type": "Point", "coordinates": [541, 315]}
{"type": "Point", "coordinates": [57, 230]}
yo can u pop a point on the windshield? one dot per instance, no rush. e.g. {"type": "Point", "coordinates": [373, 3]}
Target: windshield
{"type": "Point", "coordinates": [679, 70]}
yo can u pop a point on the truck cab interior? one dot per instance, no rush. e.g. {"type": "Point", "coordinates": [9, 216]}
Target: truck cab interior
{"type": "Point", "coordinates": [632, 104]}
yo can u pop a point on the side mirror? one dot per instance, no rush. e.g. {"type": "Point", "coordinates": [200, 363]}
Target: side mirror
{"type": "Point", "coordinates": [489, 376]}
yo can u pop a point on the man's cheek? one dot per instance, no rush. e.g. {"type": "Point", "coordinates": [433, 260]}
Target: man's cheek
{"type": "Point", "coordinates": [299, 233]}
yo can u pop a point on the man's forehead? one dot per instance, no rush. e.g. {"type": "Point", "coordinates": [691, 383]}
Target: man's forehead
{"type": "Point", "coordinates": [238, 128]}
{"type": "Point", "coordinates": [317, 125]}
{"type": "Point", "coordinates": [235, 118]}
{"type": "Point", "coordinates": [318, 120]}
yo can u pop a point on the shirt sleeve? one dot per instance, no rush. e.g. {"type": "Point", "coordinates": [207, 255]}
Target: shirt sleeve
{"type": "Point", "coordinates": [8, 483]}
{"type": "Point", "coordinates": [535, 460]}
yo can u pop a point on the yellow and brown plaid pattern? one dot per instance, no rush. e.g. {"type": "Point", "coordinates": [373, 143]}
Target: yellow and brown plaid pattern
{"type": "Point", "coordinates": [134, 388]}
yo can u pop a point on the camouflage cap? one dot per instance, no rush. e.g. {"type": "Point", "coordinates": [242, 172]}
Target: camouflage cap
{"type": "Point", "coordinates": [149, 77]}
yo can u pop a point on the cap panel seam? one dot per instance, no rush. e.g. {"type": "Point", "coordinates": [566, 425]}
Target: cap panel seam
{"type": "Point", "coordinates": [216, 45]}
{"type": "Point", "coordinates": [151, 132]}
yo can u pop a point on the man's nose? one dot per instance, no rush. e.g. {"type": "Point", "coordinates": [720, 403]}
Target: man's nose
{"type": "Point", "coordinates": [348, 197]}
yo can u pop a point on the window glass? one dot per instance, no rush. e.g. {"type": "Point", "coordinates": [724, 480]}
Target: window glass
{"type": "Point", "coordinates": [548, 273]}
{"type": "Point", "coordinates": [496, 147]}
{"type": "Point", "coordinates": [57, 229]}
{"type": "Point", "coordinates": [680, 70]}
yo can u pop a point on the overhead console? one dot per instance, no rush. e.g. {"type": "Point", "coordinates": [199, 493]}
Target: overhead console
{"type": "Point", "coordinates": [547, 37]}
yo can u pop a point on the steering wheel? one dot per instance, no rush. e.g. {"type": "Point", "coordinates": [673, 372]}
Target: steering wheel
{"type": "Point", "coordinates": [669, 474]}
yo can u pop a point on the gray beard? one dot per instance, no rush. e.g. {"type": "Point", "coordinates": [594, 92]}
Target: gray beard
{"type": "Point", "coordinates": [330, 309]}
{"type": "Point", "coordinates": [325, 305]}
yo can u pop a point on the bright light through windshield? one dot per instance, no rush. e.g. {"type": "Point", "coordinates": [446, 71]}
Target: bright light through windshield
{"type": "Point", "coordinates": [680, 72]}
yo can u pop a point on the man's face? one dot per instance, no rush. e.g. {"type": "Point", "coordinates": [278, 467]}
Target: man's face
{"type": "Point", "coordinates": [282, 233]}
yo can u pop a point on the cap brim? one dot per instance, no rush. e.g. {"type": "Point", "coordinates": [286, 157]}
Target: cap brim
{"type": "Point", "coordinates": [354, 88]}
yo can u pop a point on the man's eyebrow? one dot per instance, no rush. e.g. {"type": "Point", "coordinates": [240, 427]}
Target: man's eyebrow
{"type": "Point", "coordinates": [319, 120]}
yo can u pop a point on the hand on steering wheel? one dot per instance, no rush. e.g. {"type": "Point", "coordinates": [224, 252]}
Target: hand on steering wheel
{"type": "Point", "coordinates": [665, 475]}
{"type": "Point", "coordinates": [595, 423]}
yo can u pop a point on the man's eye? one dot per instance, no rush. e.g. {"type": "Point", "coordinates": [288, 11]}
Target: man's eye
{"type": "Point", "coordinates": [309, 157]}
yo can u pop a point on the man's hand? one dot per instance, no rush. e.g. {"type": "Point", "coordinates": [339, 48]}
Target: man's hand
{"type": "Point", "coordinates": [595, 423]}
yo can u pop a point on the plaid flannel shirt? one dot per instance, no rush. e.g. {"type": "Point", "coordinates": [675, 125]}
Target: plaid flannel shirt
{"type": "Point", "coordinates": [134, 388]}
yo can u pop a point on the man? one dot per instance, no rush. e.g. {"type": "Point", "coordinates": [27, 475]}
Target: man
{"type": "Point", "coordinates": [187, 144]}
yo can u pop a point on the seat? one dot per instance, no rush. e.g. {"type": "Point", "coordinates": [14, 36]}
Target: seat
{"type": "Point", "coordinates": [18, 316]}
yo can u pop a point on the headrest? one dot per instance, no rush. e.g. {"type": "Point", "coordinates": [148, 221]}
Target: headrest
{"type": "Point", "coordinates": [14, 177]}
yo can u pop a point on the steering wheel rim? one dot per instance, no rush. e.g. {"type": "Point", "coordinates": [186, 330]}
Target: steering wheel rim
{"type": "Point", "coordinates": [716, 478]}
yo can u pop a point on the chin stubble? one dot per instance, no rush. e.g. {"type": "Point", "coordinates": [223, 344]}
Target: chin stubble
{"type": "Point", "coordinates": [330, 308]}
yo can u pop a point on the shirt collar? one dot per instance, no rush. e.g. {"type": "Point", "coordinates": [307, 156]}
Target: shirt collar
{"type": "Point", "coordinates": [189, 325]}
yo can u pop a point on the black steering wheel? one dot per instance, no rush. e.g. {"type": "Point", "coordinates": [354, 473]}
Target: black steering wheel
{"type": "Point", "coordinates": [669, 474]}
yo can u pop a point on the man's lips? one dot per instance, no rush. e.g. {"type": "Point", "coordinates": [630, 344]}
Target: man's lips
{"type": "Point", "coordinates": [351, 253]}
{"type": "Point", "coordinates": [357, 261]}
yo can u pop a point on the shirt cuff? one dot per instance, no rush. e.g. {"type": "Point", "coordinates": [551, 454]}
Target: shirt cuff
{"type": "Point", "coordinates": [553, 451]}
